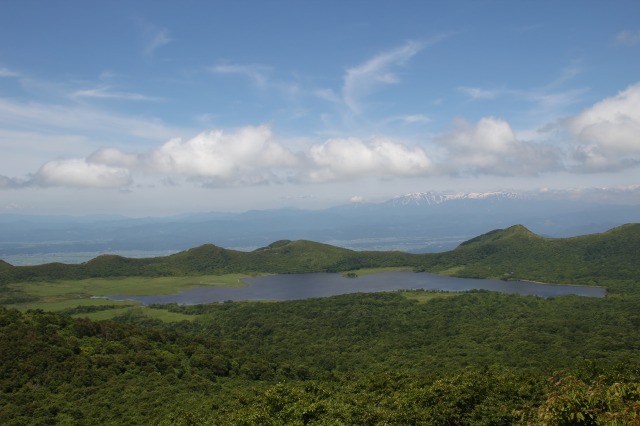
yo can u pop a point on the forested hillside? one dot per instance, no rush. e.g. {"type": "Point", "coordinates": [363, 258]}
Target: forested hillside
{"type": "Point", "coordinates": [477, 358]}
{"type": "Point", "coordinates": [612, 257]}
{"type": "Point", "coordinates": [480, 358]}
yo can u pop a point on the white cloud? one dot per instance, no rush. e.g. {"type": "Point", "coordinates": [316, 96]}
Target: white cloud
{"type": "Point", "coordinates": [410, 119]}
{"type": "Point", "coordinates": [256, 73]}
{"type": "Point", "coordinates": [7, 183]}
{"type": "Point", "coordinates": [361, 80]}
{"type": "Point", "coordinates": [106, 93]}
{"type": "Point", "coordinates": [155, 38]}
{"type": "Point", "coordinates": [79, 173]}
{"type": "Point", "coordinates": [260, 76]}
{"type": "Point", "coordinates": [491, 147]}
{"type": "Point", "coordinates": [114, 158]}
{"type": "Point", "coordinates": [607, 135]}
{"type": "Point", "coordinates": [603, 137]}
{"type": "Point", "coordinates": [6, 73]}
{"type": "Point", "coordinates": [544, 99]}
{"type": "Point", "coordinates": [350, 158]}
{"type": "Point", "coordinates": [35, 116]}
{"type": "Point", "coordinates": [248, 155]}
{"type": "Point", "coordinates": [478, 93]}
{"type": "Point", "coordinates": [628, 38]}
{"type": "Point", "coordinates": [328, 95]}
{"type": "Point", "coordinates": [553, 100]}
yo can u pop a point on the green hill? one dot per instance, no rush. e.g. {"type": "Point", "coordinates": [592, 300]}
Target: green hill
{"type": "Point", "coordinates": [611, 258]}
{"type": "Point", "coordinates": [280, 257]}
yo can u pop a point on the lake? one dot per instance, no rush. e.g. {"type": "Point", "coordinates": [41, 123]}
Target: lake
{"type": "Point", "coordinates": [304, 286]}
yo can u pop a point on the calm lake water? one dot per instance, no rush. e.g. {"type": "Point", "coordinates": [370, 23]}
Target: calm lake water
{"type": "Point", "coordinates": [304, 286]}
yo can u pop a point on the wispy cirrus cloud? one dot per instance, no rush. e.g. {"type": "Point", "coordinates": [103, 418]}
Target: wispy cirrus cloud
{"type": "Point", "coordinates": [479, 93]}
{"type": "Point", "coordinates": [628, 38]}
{"type": "Point", "coordinates": [550, 97]}
{"type": "Point", "coordinates": [256, 73]}
{"type": "Point", "coordinates": [34, 116]}
{"type": "Point", "coordinates": [361, 80]}
{"type": "Point", "coordinates": [7, 73]}
{"type": "Point", "coordinates": [259, 75]}
{"type": "Point", "coordinates": [544, 101]}
{"type": "Point", "coordinates": [409, 119]}
{"type": "Point", "coordinates": [541, 97]}
{"type": "Point", "coordinates": [107, 93]}
{"type": "Point", "coordinates": [154, 38]}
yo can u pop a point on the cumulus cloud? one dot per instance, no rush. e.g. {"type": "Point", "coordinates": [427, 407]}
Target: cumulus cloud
{"type": "Point", "coordinates": [114, 158]}
{"type": "Point", "coordinates": [490, 146]}
{"type": "Point", "coordinates": [352, 157]}
{"type": "Point", "coordinates": [80, 173]}
{"type": "Point", "coordinates": [8, 183]}
{"type": "Point", "coordinates": [603, 137]}
{"type": "Point", "coordinates": [247, 155]}
{"type": "Point", "coordinates": [607, 135]}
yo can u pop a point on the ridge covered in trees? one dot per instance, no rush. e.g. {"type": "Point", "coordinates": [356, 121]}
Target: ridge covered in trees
{"type": "Point", "coordinates": [513, 253]}
{"type": "Point", "coordinates": [479, 358]}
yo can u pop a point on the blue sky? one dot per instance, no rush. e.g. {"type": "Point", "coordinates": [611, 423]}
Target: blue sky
{"type": "Point", "coordinates": [155, 108]}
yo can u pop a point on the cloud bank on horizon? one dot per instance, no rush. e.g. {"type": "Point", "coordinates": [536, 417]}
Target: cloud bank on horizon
{"type": "Point", "coordinates": [410, 105]}
{"type": "Point", "coordinates": [604, 137]}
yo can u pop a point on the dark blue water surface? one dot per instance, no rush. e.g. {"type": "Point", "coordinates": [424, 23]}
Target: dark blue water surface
{"type": "Point", "coordinates": [304, 286]}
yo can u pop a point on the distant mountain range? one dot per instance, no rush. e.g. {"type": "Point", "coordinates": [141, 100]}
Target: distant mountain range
{"type": "Point", "coordinates": [416, 222]}
{"type": "Point", "coordinates": [432, 198]}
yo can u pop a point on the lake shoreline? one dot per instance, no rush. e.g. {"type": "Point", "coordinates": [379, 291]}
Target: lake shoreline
{"type": "Point", "coordinates": [279, 287]}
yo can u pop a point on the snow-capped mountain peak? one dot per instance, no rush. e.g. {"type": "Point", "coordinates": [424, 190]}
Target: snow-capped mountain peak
{"type": "Point", "coordinates": [433, 198]}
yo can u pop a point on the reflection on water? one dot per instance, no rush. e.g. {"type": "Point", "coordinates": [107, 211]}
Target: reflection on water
{"type": "Point", "coordinates": [304, 286]}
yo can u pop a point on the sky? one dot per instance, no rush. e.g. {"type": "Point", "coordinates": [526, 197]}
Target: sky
{"type": "Point", "coordinates": [152, 108]}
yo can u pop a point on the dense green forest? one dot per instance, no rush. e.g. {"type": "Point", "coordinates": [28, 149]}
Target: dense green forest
{"type": "Point", "coordinates": [478, 358]}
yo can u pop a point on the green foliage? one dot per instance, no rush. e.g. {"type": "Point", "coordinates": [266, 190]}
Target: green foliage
{"type": "Point", "coordinates": [611, 259]}
{"type": "Point", "coordinates": [574, 402]}
{"type": "Point", "coordinates": [477, 358]}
